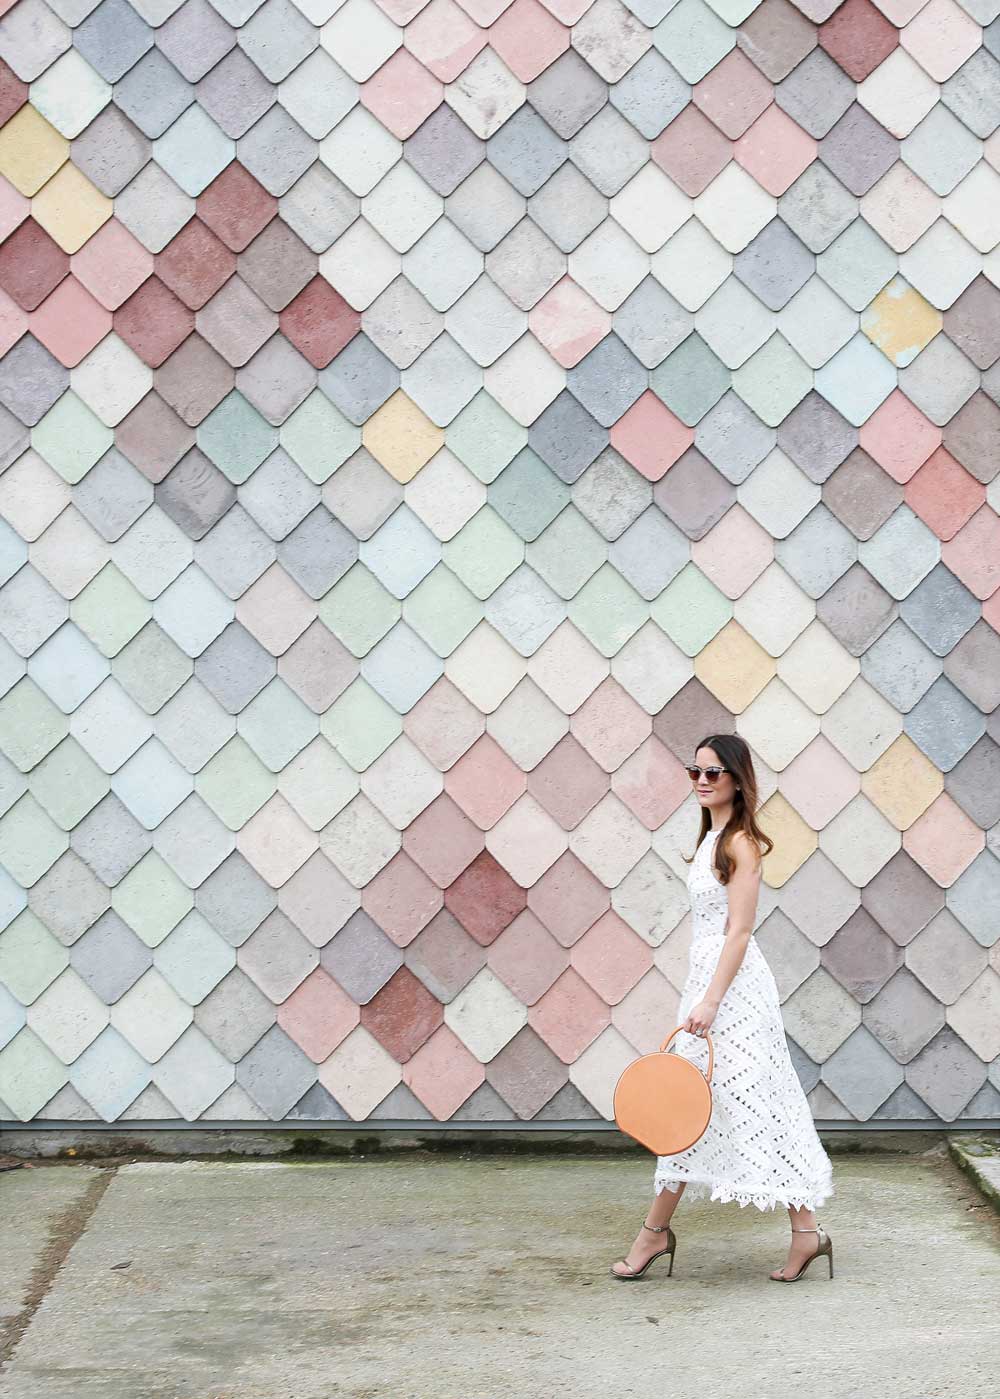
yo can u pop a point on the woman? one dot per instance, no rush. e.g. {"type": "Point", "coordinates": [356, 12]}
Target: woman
{"type": "Point", "coordinates": [761, 1145]}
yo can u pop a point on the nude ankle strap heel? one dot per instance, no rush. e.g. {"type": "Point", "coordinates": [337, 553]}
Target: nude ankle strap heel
{"type": "Point", "coordinates": [671, 1248]}
{"type": "Point", "coordinates": [825, 1246]}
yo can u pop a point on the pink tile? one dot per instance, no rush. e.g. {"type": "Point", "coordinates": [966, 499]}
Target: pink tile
{"type": "Point", "coordinates": [733, 94]}
{"type": "Point", "coordinates": [528, 38]}
{"type": "Point", "coordinates": [944, 841]}
{"type": "Point", "coordinates": [651, 437]}
{"type": "Point", "coordinates": [484, 783]}
{"type": "Point", "coordinates": [734, 552]}
{"type": "Point", "coordinates": [484, 899]}
{"type": "Point", "coordinates": [944, 494]}
{"type": "Point", "coordinates": [484, 12]}
{"type": "Point", "coordinates": [399, 11]}
{"type": "Point", "coordinates": [401, 899]}
{"type": "Point", "coordinates": [70, 322]}
{"type": "Point", "coordinates": [899, 437]}
{"type": "Point", "coordinates": [444, 724]}
{"type": "Point", "coordinates": [611, 958]}
{"type": "Point", "coordinates": [527, 958]}
{"type": "Point", "coordinates": [991, 611]}
{"type": "Point", "coordinates": [442, 840]}
{"type": "Point", "coordinates": [13, 322]}
{"type": "Point", "coordinates": [444, 39]}
{"type": "Point", "coordinates": [569, 1016]}
{"type": "Point", "coordinates": [568, 322]}
{"type": "Point", "coordinates": [568, 899]}
{"type": "Point", "coordinates": [974, 553]}
{"type": "Point", "coordinates": [610, 724]}
{"type": "Point", "coordinates": [13, 208]}
{"type": "Point", "coordinates": [568, 11]}
{"type": "Point", "coordinates": [568, 783]}
{"type": "Point", "coordinates": [651, 783]}
{"type": "Point", "coordinates": [402, 94]}
{"type": "Point", "coordinates": [775, 151]}
{"type": "Point", "coordinates": [112, 264]}
{"type": "Point", "coordinates": [402, 1015]}
{"type": "Point", "coordinates": [819, 782]}
{"type": "Point", "coordinates": [692, 151]}
{"type": "Point", "coordinates": [443, 1074]}
{"type": "Point", "coordinates": [318, 1015]}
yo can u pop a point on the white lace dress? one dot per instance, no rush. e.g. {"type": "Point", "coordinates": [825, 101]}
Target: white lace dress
{"type": "Point", "coordinates": [761, 1146]}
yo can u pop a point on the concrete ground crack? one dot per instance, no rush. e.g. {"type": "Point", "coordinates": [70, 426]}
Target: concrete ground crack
{"type": "Point", "coordinates": [64, 1231]}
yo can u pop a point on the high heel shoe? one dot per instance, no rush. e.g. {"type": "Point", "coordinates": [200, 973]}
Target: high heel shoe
{"type": "Point", "coordinates": [671, 1248]}
{"type": "Point", "coordinates": [825, 1246]}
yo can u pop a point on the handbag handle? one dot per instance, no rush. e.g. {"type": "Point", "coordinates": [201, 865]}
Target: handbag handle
{"type": "Point", "coordinates": [711, 1049]}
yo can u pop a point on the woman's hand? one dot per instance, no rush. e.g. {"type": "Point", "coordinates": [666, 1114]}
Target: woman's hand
{"type": "Point", "coordinates": [701, 1017]}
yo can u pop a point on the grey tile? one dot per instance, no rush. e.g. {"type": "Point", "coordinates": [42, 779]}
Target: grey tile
{"type": "Point", "coordinates": [733, 438]}
{"type": "Point", "coordinates": [360, 957]}
{"type": "Point", "coordinates": [110, 840]}
{"type": "Point", "coordinates": [235, 1015]}
{"type": "Point", "coordinates": [112, 38]}
{"type": "Point", "coordinates": [973, 93]}
{"type": "Point", "coordinates": [817, 207]}
{"type": "Point", "coordinates": [527, 495]}
{"type": "Point", "coordinates": [526, 264]}
{"type": "Point", "coordinates": [974, 666]}
{"type": "Point", "coordinates": [611, 494]}
{"type": "Point", "coordinates": [235, 899]}
{"type": "Point", "coordinates": [691, 379]}
{"type": "Point", "coordinates": [235, 94]}
{"type": "Point", "coordinates": [816, 437]}
{"type": "Point", "coordinates": [359, 379]}
{"type": "Point", "coordinates": [940, 610]}
{"type": "Point", "coordinates": [975, 784]}
{"type": "Point", "coordinates": [485, 207]}
{"type": "Point", "coordinates": [818, 552]}
{"type": "Point", "coordinates": [276, 151]}
{"type": "Point", "coordinates": [277, 265]}
{"type": "Point", "coordinates": [279, 495]}
{"type": "Point", "coordinates": [608, 380]}
{"type": "Point", "coordinates": [318, 552]}
{"type": "Point", "coordinates": [526, 151]}
{"type": "Point", "coordinates": [69, 898]}
{"type": "Point", "coordinates": [944, 724]}
{"type": "Point", "coordinates": [568, 208]}
{"type": "Point", "coordinates": [153, 208]}
{"type": "Point", "coordinates": [862, 1073]}
{"type": "Point", "coordinates": [275, 1073]}
{"type": "Point", "coordinates": [650, 553]}
{"type": "Point", "coordinates": [652, 323]}
{"type": "Point", "coordinates": [861, 494]}
{"type": "Point", "coordinates": [235, 667]}
{"type": "Point", "coordinates": [194, 380]}
{"type": "Point", "coordinates": [693, 494]}
{"type": "Point", "coordinates": [110, 958]}
{"type": "Point", "coordinates": [153, 94]}
{"type": "Point", "coordinates": [112, 495]}
{"type": "Point", "coordinates": [973, 322]}
{"type": "Point", "coordinates": [31, 38]}
{"type": "Point", "coordinates": [567, 94]}
{"type": "Point", "coordinates": [774, 265]}
{"type": "Point", "coordinates": [31, 380]}
{"type": "Point", "coordinates": [856, 609]}
{"type": "Point", "coordinates": [235, 553]}
{"type": "Point", "coordinates": [195, 38]}
{"type": "Point", "coordinates": [278, 38]}
{"type": "Point", "coordinates": [276, 380]}
{"type": "Point", "coordinates": [900, 666]}
{"type": "Point", "coordinates": [816, 94]}
{"type": "Point", "coordinates": [319, 208]}
{"type": "Point", "coordinates": [443, 150]}
{"type": "Point", "coordinates": [946, 1073]}
{"type": "Point", "coordinates": [651, 94]}
{"type": "Point", "coordinates": [195, 494]}
{"type": "Point", "coordinates": [566, 437]}
{"type": "Point", "coordinates": [858, 150]}
{"type": "Point", "coordinates": [972, 436]}
{"type": "Point", "coordinates": [111, 151]}
{"type": "Point", "coordinates": [609, 151]}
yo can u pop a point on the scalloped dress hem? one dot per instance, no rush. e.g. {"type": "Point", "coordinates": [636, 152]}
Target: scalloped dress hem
{"type": "Point", "coordinates": [706, 1188]}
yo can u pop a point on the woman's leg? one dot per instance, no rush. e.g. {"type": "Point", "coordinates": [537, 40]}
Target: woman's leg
{"type": "Point", "coordinates": [647, 1241]}
{"type": "Point", "coordinates": [802, 1246]}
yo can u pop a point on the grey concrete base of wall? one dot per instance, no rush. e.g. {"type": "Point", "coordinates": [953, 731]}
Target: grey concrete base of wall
{"type": "Point", "coordinates": [979, 1158]}
{"type": "Point", "coordinates": [145, 1141]}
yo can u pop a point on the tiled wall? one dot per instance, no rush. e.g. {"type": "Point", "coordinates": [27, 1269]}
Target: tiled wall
{"type": "Point", "coordinates": [420, 423]}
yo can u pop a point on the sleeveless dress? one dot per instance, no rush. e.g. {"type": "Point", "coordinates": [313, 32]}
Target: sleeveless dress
{"type": "Point", "coordinates": [761, 1146]}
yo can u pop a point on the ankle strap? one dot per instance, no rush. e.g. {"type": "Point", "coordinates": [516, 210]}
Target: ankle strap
{"type": "Point", "coordinates": [817, 1230]}
{"type": "Point", "coordinates": [656, 1228]}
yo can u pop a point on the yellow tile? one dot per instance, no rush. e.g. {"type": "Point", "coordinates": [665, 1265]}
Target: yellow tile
{"type": "Point", "coordinates": [401, 437]}
{"type": "Point", "coordinates": [900, 322]}
{"type": "Point", "coordinates": [70, 208]}
{"type": "Point", "coordinates": [903, 783]}
{"type": "Point", "coordinates": [31, 150]}
{"type": "Point", "coordinates": [794, 840]}
{"type": "Point", "coordinates": [734, 667]}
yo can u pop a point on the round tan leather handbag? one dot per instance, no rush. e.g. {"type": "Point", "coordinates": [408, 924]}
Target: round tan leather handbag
{"type": "Point", "coordinates": [664, 1101]}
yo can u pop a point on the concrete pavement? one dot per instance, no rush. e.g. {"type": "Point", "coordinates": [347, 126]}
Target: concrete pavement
{"type": "Point", "coordinates": [436, 1276]}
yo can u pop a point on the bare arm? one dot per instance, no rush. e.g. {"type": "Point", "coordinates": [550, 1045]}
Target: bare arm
{"type": "Point", "coordinates": [744, 887]}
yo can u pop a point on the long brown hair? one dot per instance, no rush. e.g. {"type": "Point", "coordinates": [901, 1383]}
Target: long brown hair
{"type": "Point", "coordinates": [733, 754]}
